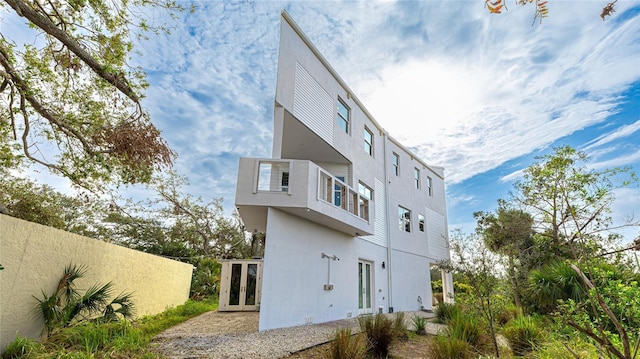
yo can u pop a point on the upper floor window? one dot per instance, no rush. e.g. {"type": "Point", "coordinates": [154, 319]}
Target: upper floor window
{"type": "Point", "coordinates": [368, 142]}
{"type": "Point", "coordinates": [429, 186]}
{"type": "Point", "coordinates": [416, 178]}
{"type": "Point", "coordinates": [365, 196]}
{"type": "Point", "coordinates": [396, 164]}
{"type": "Point", "coordinates": [343, 116]}
{"type": "Point", "coordinates": [421, 223]}
{"type": "Point", "coordinates": [404, 219]}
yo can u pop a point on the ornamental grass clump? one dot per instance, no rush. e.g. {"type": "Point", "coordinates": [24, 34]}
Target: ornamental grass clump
{"type": "Point", "coordinates": [346, 346]}
{"type": "Point", "coordinates": [419, 324]}
{"type": "Point", "coordinates": [380, 333]}
{"type": "Point", "coordinates": [523, 335]}
{"type": "Point", "coordinates": [446, 311]}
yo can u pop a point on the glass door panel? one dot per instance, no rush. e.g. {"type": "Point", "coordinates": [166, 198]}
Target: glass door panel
{"type": "Point", "coordinates": [235, 285]}
{"type": "Point", "coordinates": [364, 287]}
{"type": "Point", "coordinates": [250, 286]}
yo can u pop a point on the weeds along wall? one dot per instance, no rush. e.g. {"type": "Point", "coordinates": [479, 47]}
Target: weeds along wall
{"type": "Point", "coordinates": [34, 258]}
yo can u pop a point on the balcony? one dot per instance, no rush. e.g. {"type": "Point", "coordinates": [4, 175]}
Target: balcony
{"type": "Point", "coordinates": [303, 189]}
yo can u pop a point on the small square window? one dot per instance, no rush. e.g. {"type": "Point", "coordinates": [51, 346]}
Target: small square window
{"type": "Point", "coordinates": [396, 164]}
{"type": "Point", "coordinates": [343, 116]}
{"type": "Point", "coordinates": [416, 178]}
{"type": "Point", "coordinates": [368, 142]}
{"type": "Point", "coordinates": [421, 223]}
{"type": "Point", "coordinates": [404, 219]}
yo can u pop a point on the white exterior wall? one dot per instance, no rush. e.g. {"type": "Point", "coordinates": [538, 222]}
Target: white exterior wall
{"type": "Point", "coordinates": [294, 273]}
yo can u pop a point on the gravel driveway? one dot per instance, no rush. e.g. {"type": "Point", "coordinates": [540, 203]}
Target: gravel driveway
{"type": "Point", "coordinates": [235, 335]}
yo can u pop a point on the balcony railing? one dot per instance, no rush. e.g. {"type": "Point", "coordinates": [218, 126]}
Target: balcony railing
{"type": "Point", "coordinates": [338, 193]}
{"type": "Point", "coordinates": [273, 176]}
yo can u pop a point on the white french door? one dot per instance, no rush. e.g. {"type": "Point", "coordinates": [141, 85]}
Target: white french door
{"type": "Point", "coordinates": [241, 287]}
{"type": "Point", "coordinates": [365, 280]}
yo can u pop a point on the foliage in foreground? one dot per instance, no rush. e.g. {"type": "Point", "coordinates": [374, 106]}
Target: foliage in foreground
{"type": "Point", "coordinates": [106, 340]}
{"type": "Point", "coordinates": [523, 334]}
{"type": "Point", "coordinates": [445, 311]}
{"type": "Point", "coordinates": [380, 332]}
{"type": "Point", "coordinates": [66, 306]}
{"type": "Point", "coordinates": [346, 346]}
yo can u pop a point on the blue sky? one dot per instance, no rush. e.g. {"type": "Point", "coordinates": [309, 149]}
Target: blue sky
{"type": "Point", "coordinates": [477, 93]}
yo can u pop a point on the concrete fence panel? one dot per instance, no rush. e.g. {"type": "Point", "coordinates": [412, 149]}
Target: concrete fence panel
{"type": "Point", "coordinates": [34, 258]}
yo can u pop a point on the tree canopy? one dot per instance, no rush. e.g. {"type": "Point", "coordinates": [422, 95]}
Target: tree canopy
{"type": "Point", "coordinates": [70, 100]}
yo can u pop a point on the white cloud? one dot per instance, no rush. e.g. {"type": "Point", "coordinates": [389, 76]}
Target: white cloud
{"type": "Point", "coordinates": [619, 133]}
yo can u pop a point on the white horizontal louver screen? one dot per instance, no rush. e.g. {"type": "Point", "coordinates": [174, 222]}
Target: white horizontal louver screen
{"type": "Point", "coordinates": [436, 235]}
{"type": "Point", "coordinates": [312, 104]}
{"type": "Point", "coordinates": [380, 222]}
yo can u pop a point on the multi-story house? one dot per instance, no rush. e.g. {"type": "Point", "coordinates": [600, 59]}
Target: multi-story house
{"type": "Point", "coordinates": [353, 220]}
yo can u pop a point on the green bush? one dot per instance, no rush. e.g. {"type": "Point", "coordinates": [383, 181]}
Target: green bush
{"type": "Point", "coordinates": [346, 346]}
{"type": "Point", "coordinates": [419, 324]}
{"type": "Point", "coordinates": [22, 347]}
{"type": "Point", "coordinates": [443, 347]}
{"type": "Point", "coordinates": [509, 313]}
{"type": "Point", "coordinates": [446, 311]}
{"type": "Point", "coordinates": [400, 326]}
{"type": "Point", "coordinates": [466, 328]}
{"type": "Point", "coordinates": [380, 333]}
{"type": "Point", "coordinates": [523, 334]}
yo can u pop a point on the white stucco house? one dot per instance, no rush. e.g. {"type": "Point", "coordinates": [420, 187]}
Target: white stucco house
{"type": "Point", "coordinates": [353, 219]}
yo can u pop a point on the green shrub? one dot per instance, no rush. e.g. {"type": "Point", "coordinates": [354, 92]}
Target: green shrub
{"type": "Point", "coordinates": [400, 326]}
{"type": "Point", "coordinates": [466, 328]}
{"type": "Point", "coordinates": [523, 334]}
{"type": "Point", "coordinates": [346, 346]}
{"type": "Point", "coordinates": [380, 333]}
{"type": "Point", "coordinates": [22, 347]}
{"type": "Point", "coordinates": [555, 349]}
{"type": "Point", "coordinates": [443, 347]}
{"type": "Point", "coordinates": [509, 313]}
{"type": "Point", "coordinates": [91, 337]}
{"type": "Point", "coordinates": [419, 324]}
{"type": "Point", "coordinates": [446, 311]}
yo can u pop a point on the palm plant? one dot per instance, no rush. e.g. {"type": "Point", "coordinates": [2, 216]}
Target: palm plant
{"type": "Point", "coordinates": [67, 306]}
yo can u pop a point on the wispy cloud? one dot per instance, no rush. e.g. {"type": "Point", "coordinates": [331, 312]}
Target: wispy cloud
{"type": "Point", "coordinates": [619, 133]}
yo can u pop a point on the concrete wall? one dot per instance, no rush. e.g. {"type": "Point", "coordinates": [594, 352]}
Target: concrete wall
{"type": "Point", "coordinates": [34, 258]}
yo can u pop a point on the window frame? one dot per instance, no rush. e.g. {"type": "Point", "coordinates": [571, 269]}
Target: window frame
{"type": "Point", "coordinates": [368, 145]}
{"type": "Point", "coordinates": [421, 222]}
{"type": "Point", "coordinates": [404, 219]}
{"type": "Point", "coordinates": [395, 161]}
{"type": "Point", "coordinates": [416, 178]}
{"type": "Point", "coordinates": [430, 186]}
{"type": "Point", "coordinates": [343, 123]}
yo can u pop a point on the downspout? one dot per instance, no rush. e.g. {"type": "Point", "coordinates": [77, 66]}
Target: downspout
{"type": "Point", "coordinates": [388, 234]}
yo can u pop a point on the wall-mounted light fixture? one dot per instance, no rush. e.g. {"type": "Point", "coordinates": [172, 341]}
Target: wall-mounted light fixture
{"type": "Point", "coordinates": [383, 265]}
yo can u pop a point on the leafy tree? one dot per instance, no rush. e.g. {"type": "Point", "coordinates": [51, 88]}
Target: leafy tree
{"type": "Point", "coordinates": [200, 224]}
{"type": "Point", "coordinates": [66, 306]}
{"type": "Point", "coordinates": [70, 101]}
{"type": "Point", "coordinates": [28, 200]}
{"type": "Point", "coordinates": [509, 232]}
{"type": "Point", "coordinates": [475, 264]}
{"type": "Point", "coordinates": [568, 201]}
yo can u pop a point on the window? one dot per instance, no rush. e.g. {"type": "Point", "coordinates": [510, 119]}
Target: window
{"type": "Point", "coordinates": [404, 219]}
{"type": "Point", "coordinates": [365, 196]}
{"type": "Point", "coordinates": [416, 178]}
{"type": "Point", "coordinates": [368, 142]}
{"type": "Point", "coordinates": [421, 223]}
{"type": "Point", "coordinates": [429, 186]}
{"type": "Point", "coordinates": [339, 193]}
{"type": "Point", "coordinates": [364, 190]}
{"type": "Point", "coordinates": [396, 164]}
{"type": "Point", "coordinates": [343, 116]}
